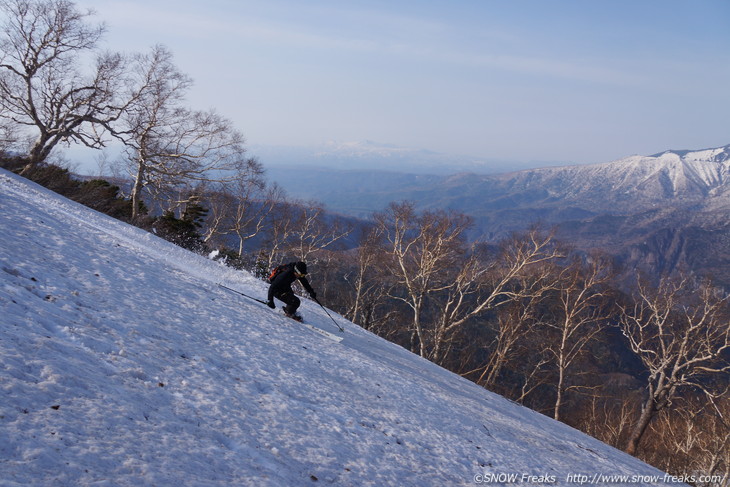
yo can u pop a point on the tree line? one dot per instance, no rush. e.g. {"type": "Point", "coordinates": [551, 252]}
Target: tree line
{"type": "Point", "coordinates": [640, 362]}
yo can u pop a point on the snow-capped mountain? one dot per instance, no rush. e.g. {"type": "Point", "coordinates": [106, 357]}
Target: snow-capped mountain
{"type": "Point", "coordinates": [626, 184]}
{"type": "Point", "coordinates": [720, 154]}
{"type": "Point", "coordinates": [667, 210]}
{"type": "Point", "coordinates": [659, 213]}
{"type": "Point", "coordinates": [122, 362]}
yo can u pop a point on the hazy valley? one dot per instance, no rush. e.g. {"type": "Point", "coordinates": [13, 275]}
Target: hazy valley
{"type": "Point", "coordinates": [658, 212]}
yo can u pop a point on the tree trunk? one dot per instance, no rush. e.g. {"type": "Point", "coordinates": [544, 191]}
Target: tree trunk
{"type": "Point", "coordinates": [137, 189]}
{"type": "Point", "coordinates": [37, 155]}
{"type": "Point", "coordinates": [559, 397]}
{"type": "Point", "coordinates": [647, 414]}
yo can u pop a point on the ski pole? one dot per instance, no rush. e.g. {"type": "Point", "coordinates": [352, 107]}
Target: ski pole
{"type": "Point", "coordinates": [328, 314]}
{"type": "Point", "coordinates": [242, 294]}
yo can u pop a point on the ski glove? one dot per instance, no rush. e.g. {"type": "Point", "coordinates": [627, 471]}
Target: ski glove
{"type": "Point", "coordinates": [271, 305]}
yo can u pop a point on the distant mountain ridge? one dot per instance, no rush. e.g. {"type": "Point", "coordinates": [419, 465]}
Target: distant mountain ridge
{"type": "Point", "coordinates": [720, 154]}
{"type": "Point", "coordinates": [665, 211]}
{"type": "Point", "coordinates": [629, 184]}
{"type": "Point", "coordinates": [374, 156]}
{"type": "Point", "coordinates": [657, 213]}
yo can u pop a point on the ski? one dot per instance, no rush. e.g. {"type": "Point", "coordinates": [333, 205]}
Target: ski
{"type": "Point", "coordinates": [326, 334]}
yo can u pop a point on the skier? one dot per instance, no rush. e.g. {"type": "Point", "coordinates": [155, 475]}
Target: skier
{"type": "Point", "coordinates": [280, 288]}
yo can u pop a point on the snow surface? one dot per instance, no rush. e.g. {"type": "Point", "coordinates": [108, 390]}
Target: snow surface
{"type": "Point", "coordinates": [122, 363]}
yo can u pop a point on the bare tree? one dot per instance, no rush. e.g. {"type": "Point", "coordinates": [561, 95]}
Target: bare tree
{"type": "Point", "coordinates": [359, 279]}
{"type": "Point", "coordinates": [432, 266]}
{"type": "Point", "coordinates": [424, 248]}
{"type": "Point", "coordinates": [151, 123]}
{"type": "Point", "coordinates": [315, 230]}
{"type": "Point", "coordinates": [282, 225]}
{"type": "Point", "coordinates": [8, 133]}
{"type": "Point", "coordinates": [693, 440]}
{"type": "Point", "coordinates": [581, 314]}
{"type": "Point", "coordinates": [170, 146]}
{"type": "Point", "coordinates": [680, 333]}
{"type": "Point", "coordinates": [42, 86]}
{"type": "Point", "coordinates": [369, 286]}
{"type": "Point", "coordinates": [254, 203]}
{"type": "Point", "coordinates": [609, 421]}
{"type": "Point", "coordinates": [220, 205]}
{"type": "Point", "coordinates": [518, 274]}
{"type": "Point", "coordinates": [514, 321]}
{"type": "Point", "coordinates": [241, 207]}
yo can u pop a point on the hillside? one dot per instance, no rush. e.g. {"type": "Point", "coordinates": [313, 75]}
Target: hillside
{"type": "Point", "coordinates": [631, 184]}
{"type": "Point", "coordinates": [123, 363]}
{"type": "Point", "coordinates": [658, 212]}
{"type": "Point", "coordinates": [555, 194]}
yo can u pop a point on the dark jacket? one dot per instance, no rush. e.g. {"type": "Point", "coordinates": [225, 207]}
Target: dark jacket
{"type": "Point", "coordinates": [283, 281]}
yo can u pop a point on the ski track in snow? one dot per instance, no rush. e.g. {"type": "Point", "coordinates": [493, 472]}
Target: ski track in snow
{"type": "Point", "coordinates": [122, 363]}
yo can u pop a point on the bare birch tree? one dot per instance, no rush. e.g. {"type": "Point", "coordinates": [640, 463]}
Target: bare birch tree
{"type": "Point", "coordinates": [252, 207]}
{"type": "Point", "coordinates": [424, 248]}
{"type": "Point", "coordinates": [581, 314]}
{"type": "Point", "coordinates": [680, 333]}
{"type": "Point", "coordinates": [609, 421]}
{"type": "Point", "coordinates": [241, 207]}
{"type": "Point", "coordinates": [9, 136]}
{"type": "Point", "coordinates": [368, 284]}
{"type": "Point", "coordinates": [514, 321]}
{"type": "Point", "coordinates": [169, 145]}
{"type": "Point", "coordinates": [432, 266]}
{"type": "Point", "coordinates": [693, 440]}
{"type": "Point", "coordinates": [315, 230]}
{"type": "Point", "coordinates": [517, 273]}
{"type": "Point", "coordinates": [281, 227]}
{"type": "Point", "coordinates": [42, 84]}
{"type": "Point", "coordinates": [159, 90]}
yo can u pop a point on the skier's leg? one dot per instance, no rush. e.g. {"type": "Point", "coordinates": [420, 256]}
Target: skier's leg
{"type": "Point", "coordinates": [292, 303]}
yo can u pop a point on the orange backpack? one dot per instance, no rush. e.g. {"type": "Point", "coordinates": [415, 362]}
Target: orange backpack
{"type": "Point", "coordinates": [277, 270]}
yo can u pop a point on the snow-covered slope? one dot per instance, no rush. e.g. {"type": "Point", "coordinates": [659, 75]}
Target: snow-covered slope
{"type": "Point", "coordinates": [122, 363]}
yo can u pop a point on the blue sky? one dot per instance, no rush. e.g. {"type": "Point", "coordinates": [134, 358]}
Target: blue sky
{"type": "Point", "coordinates": [526, 80]}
